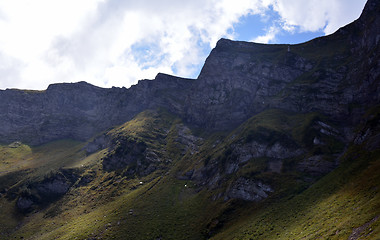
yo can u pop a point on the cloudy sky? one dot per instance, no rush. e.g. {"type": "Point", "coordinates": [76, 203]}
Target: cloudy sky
{"type": "Point", "coordinates": [116, 43]}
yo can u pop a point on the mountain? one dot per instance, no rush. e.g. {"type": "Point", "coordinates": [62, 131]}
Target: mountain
{"type": "Point", "coordinates": [333, 75]}
{"type": "Point", "coordinates": [269, 142]}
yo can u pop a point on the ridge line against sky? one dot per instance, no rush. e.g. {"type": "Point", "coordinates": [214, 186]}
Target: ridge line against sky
{"type": "Point", "coordinates": [116, 43]}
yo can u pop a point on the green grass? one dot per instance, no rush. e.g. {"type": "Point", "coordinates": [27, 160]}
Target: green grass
{"type": "Point", "coordinates": [114, 206]}
{"type": "Point", "coordinates": [149, 126]}
{"type": "Point", "coordinates": [62, 153]}
{"type": "Point", "coordinates": [13, 157]}
{"type": "Point", "coordinates": [162, 206]}
{"type": "Point", "coordinates": [108, 198]}
{"type": "Point", "coordinates": [21, 164]}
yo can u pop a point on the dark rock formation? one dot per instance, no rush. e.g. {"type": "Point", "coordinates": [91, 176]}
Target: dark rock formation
{"type": "Point", "coordinates": [98, 143]}
{"type": "Point", "coordinates": [24, 203]}
{"type": "Point", "coordinates": [131, 157]}
{"type": "Point", "coordinates": [125, 153]}
{"type": "Point", "coordinates": [52, 187]}
{"type": "Point", "coordinates": [187, 140]}
{"type": "Point", "coordinates": [248, 190]}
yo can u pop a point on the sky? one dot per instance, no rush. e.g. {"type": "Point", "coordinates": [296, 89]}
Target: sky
{"type": "Point", "coordinates": [116, 43]}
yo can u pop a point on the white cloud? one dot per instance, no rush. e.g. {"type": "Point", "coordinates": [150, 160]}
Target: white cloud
{"type": "Point", "coordinates": [101, 41]}
{"type": "Point", "coordinates": [317, 15]}
{"type": "Point", "coordinates": [269, 36]}
{"type": "Point", "coordinates": [115, 43]}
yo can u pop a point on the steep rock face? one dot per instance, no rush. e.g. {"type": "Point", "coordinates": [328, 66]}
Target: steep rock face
{"type": "Point", "coordinates": [336, 75]}
{"type": "Point", "coordinates": [233, 84]}
{"type": "Point", "coordinates": [62, 111]}
{"type": "Point", "coordinates": [80, 110]}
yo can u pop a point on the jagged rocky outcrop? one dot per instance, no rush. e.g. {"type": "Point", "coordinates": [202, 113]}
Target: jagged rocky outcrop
{"type": "Point", "coordinates": [126, 153]}
{"type": "Point", "coordinates": [248, 190]}
{"type": "Point", "coordinates": [52, 187]}
{"type": "Point", "coordinates": [336, 75]}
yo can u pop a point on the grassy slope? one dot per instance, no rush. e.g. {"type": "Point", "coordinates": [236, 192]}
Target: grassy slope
{"type": "Point", "coordinates": [161, 204]}
{"type": "Point", "coordinates": [160, 207]}
{"type": "Point", "coordinates": [21, 164]}
{"type": "Point", "coordinates": [113, 206]}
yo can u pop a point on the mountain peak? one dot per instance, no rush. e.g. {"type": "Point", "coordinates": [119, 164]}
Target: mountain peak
{"type": "Point", "coordinates": [67, 86]}
{"type": "Point", "coordinates": [365, 31]}
{"type": "Point", "coordinates": [372, 7]}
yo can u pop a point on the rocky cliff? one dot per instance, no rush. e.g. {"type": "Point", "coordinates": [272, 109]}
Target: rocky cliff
{"type": "Point", "coordinates": [80, 110]}
{"type": "Point", "coordinates": [337, 75]}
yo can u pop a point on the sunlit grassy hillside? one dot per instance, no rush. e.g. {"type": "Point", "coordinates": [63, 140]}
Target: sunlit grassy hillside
{"type": "Point", "coordinates": [129, 203]}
